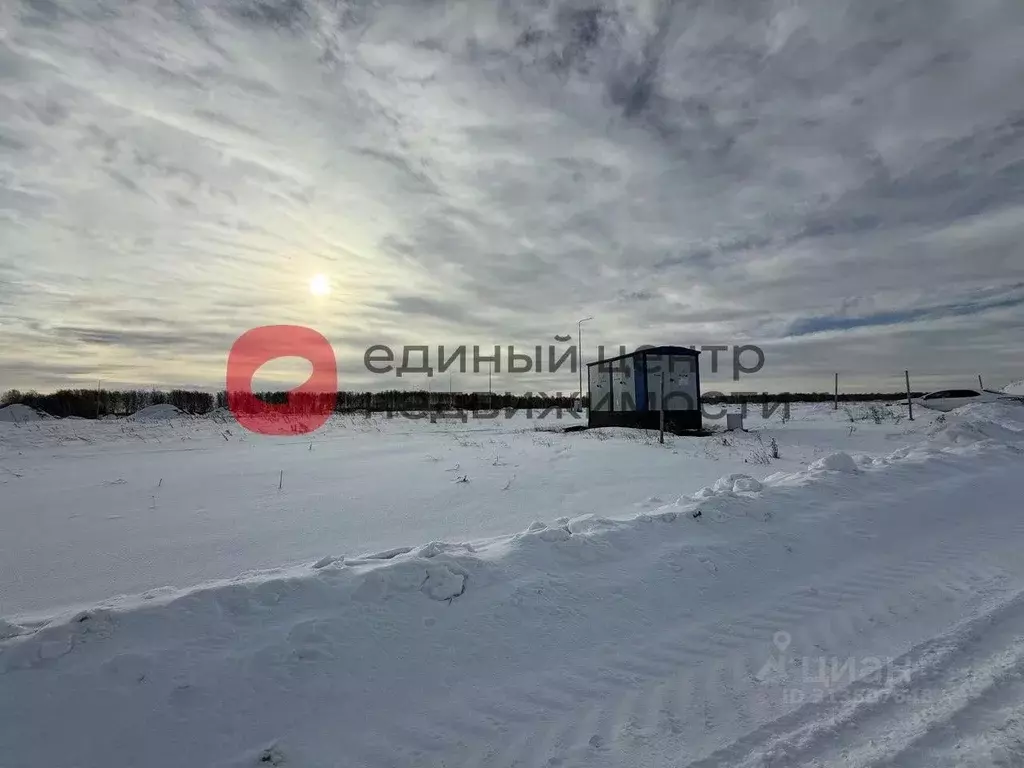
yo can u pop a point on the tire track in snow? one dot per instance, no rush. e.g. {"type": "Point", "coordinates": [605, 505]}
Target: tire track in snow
{"type": "Point", "coordinates": [717, 708]}
{"type": "Point", "coordinates": [693, 684]}
{"type": "Point", "coordinates": [993, 717]}
{"type": "Point", "coordinates": [975, 669]}
{"type": "Point", "coordinates": [608, 721]}
{"type": "Point", "coordinates": [712, 702]}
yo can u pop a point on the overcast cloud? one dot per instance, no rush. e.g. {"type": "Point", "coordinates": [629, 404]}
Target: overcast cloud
{"type": "Point", "coordinates": [841, 183]}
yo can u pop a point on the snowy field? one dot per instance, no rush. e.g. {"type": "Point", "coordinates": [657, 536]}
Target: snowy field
{"type": "Point", "coordinates": [97, 509]}
{"type": "Point", "coordinates": [858, 601]}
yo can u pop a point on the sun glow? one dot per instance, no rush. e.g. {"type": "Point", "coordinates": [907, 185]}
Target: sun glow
{"type": "Point", "coordinates": [320, 285]}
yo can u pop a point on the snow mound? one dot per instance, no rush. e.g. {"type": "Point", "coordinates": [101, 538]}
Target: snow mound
{"type": "Point", "coordinates": [163, 412]}
{"type": "Point", "coordinates": [737, 484]}
{"type": "Point", "coordinates": [725, 488]}
{"type": "Point", "coordinates": [539, 531]}
{"type": "Point", "coordinates": [836, 462]}
{"type": "Point", "coordinates": [998, 424]}
{"type": "Point", "coordinates": [20, 414]}
{"type": "Point", "coordinates": [1016, 388]}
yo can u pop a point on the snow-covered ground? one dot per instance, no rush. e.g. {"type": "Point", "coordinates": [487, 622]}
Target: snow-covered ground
{"type": "Point", "coordinates": [858, 601]}
{"type": "Point", "coordinates": [96, 509]}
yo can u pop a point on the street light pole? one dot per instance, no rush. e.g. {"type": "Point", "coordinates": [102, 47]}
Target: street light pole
{"type": "Point", "coordinates": [579, 347]}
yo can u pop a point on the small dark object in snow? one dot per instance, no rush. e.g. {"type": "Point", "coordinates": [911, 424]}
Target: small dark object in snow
{"type": "Point", "coordinates": [463, 479]}
{"type": "Point", "coordinates": [697, 514]}
{"type": "Point", "coordinates": [272, 756]}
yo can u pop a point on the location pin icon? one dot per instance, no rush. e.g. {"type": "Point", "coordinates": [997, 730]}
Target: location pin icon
{"type": "Point", "coordinates": [782, 641]}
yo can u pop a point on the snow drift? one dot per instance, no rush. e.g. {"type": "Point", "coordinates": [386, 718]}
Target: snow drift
{"type": "Point", "coordinates": [1015, 388]}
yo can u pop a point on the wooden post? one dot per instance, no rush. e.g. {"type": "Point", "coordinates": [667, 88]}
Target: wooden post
{"type": "Point", "coordinates": [910, 405]}
{"type": "Point", "coordinates": [980, 385]}
{"type": "Point", "coordinates": [661, 408]}
{"type": "Point", "coordinates": [835, 405]}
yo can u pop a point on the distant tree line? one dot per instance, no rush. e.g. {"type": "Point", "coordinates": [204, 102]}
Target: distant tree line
{"type": "Point", "coordinates": [97, 403]}
{"type": "Point", "coordinates": [758, 398]}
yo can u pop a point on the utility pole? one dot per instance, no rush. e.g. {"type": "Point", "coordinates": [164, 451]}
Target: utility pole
{"type": "Point", "coordinates": [579, 349]}
{"type": "Point", "coordinates": [835, 405]}
{"type": "Point", "coordinates": [980, 385]}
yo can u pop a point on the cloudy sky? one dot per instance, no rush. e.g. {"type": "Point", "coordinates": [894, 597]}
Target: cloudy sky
{"type": "Point", "coordinates": [839, 182]}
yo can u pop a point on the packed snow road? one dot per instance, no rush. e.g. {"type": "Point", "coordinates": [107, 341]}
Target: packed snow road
{"type": "Point", "coordinates": [862, 611]}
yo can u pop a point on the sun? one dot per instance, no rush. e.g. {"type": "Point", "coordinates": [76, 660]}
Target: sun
{"type": "Point", "coordinates": [320, 285]}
